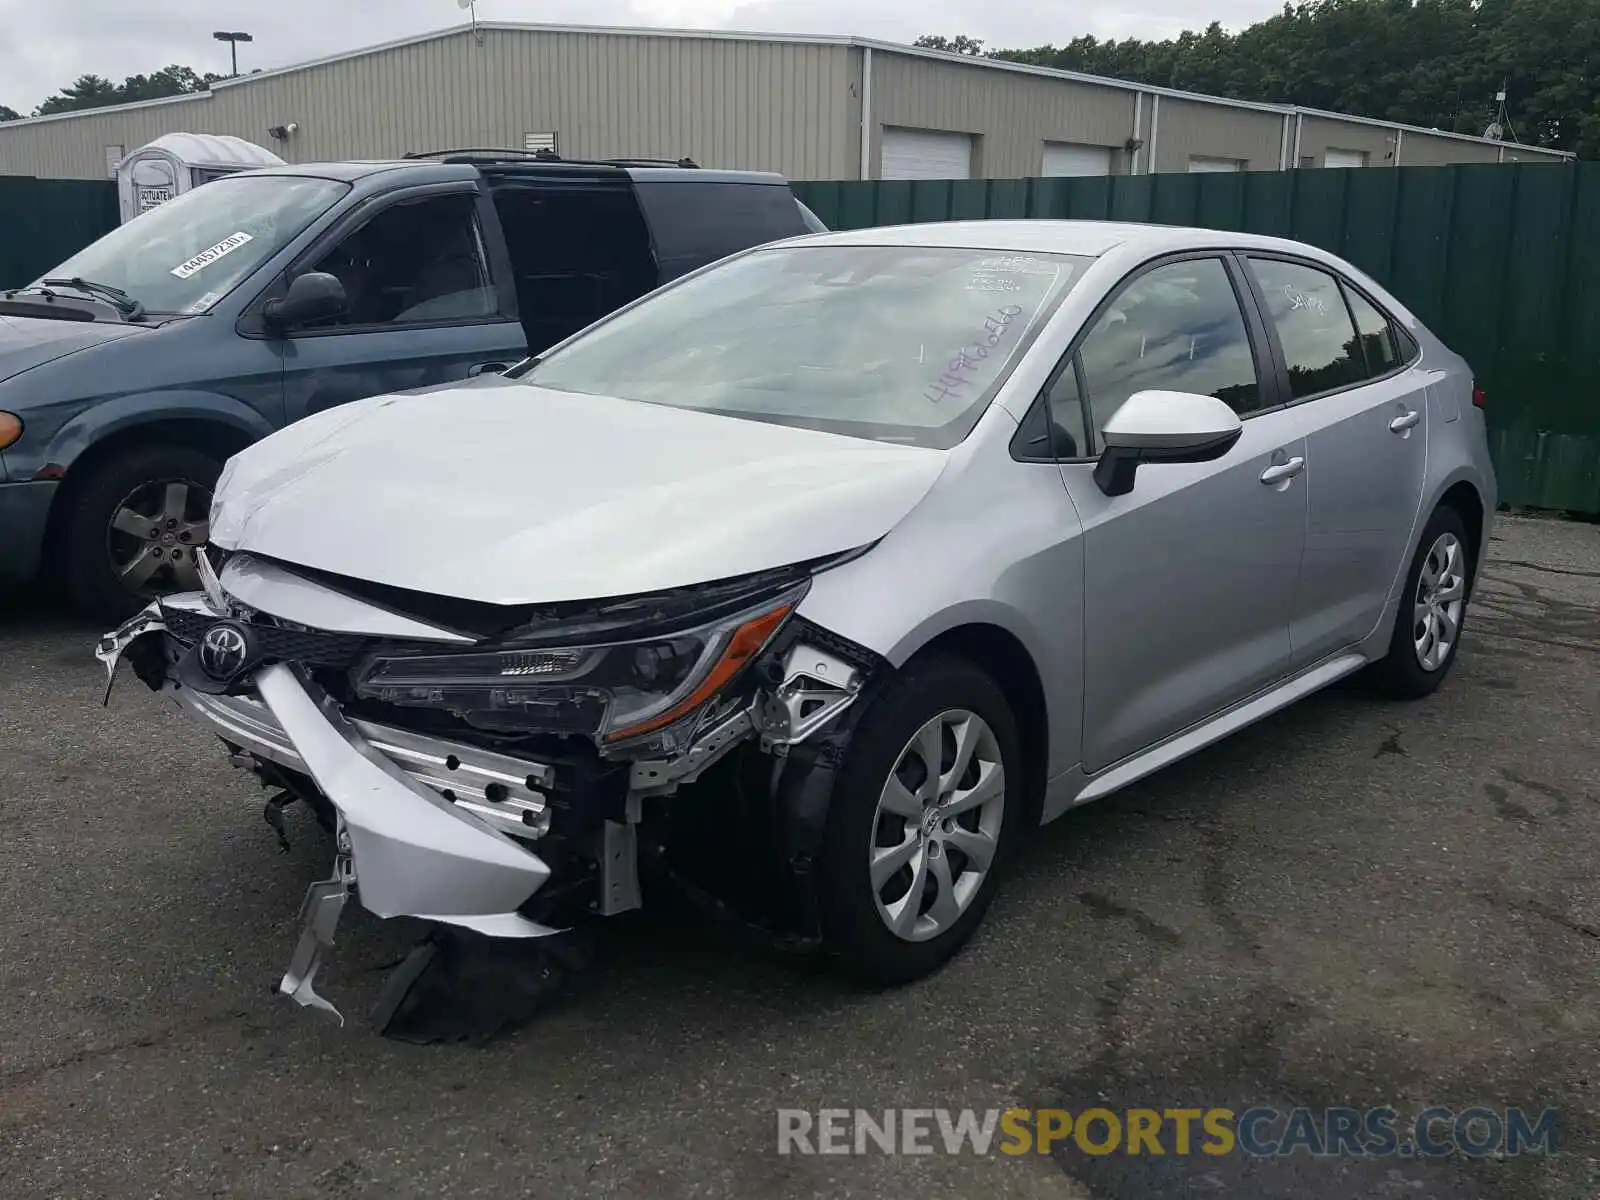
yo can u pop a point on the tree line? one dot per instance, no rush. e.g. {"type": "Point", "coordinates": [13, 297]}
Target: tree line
{"type": "Point", "coordinates": [1433, 63]}
{"type": "Point", "coordinates": [96, 91]}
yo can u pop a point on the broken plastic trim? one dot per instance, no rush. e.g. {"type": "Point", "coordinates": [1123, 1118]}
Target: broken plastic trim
{"type": "Point", "coordinates": [319, 918]}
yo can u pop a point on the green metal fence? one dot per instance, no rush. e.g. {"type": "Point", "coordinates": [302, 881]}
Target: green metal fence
{"type": "Point", "coordinates": [1503, 262]}
{"type": "Point", "coordinates": [45, 221]}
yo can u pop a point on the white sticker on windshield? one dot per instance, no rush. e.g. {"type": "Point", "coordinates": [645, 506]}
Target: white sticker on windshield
{"type": "Point", "coordinates": [206, 257]}
{"type": "Point", "coordinates": [205, 302]}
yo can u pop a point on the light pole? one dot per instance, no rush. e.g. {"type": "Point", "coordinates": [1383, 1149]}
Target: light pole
{"type": "Point", "coordinates": [233, 39]}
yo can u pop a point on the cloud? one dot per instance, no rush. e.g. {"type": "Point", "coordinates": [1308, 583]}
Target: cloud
{"type": "Point", "coordinates": [46, 46]}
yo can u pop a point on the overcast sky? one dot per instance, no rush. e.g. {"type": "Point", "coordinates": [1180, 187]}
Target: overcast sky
{"type": "Point", "coordinates": [45, 45]}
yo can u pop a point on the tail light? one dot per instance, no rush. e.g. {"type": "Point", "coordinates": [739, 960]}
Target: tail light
{"type": "Point", "coordinates": [1479, 400]}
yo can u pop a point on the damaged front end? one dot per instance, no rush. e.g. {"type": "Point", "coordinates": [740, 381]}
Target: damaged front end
{"type": "Point", "coordinates": [504, 771]}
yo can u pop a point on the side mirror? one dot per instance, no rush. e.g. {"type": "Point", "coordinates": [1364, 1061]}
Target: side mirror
{"type": "Point", "coordinates": [314, 296]}
{"type": "Point", "coordinates": [1163, 427]}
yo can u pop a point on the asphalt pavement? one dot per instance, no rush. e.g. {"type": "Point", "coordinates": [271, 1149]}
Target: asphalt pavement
{"type": "Point", "coordinates": [1355, 903]}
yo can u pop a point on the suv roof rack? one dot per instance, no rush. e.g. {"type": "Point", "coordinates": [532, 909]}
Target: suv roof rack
{"type": "Point", "coordinates": [470, 154]}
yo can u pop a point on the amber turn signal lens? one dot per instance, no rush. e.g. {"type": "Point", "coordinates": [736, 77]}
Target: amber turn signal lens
{"type": "Point", "coordinates": [10, 428]}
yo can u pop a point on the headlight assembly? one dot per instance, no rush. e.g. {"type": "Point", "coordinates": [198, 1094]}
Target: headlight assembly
{"type": "Point", "coordinates": [617, 691]}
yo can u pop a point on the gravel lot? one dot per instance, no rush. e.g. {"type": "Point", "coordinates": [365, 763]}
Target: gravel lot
{"type": "Point", "coordinates": [1352, 903]}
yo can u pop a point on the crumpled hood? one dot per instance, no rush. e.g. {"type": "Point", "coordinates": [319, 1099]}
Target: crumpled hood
{"type": "Point", "coordinates": [506, 493]}
{"type": "Point", "coordinates": [28, 342]}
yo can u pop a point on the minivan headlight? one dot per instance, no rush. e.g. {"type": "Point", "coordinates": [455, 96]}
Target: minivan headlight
{"type": "Point", "coordinates": [620, 690]}
{"type": "Point", "coordinates": [10, 428]}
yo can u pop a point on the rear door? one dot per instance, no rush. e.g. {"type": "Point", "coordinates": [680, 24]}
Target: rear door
{"type": "Point", "coordinates": [428, 302]}
{"type": "Point", "coordinates": [1190, 577]}
{"type": "Point", "coordinates": [1350, 375]}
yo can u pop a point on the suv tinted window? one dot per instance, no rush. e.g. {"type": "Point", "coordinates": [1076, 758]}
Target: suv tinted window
{"type": "Point", "coordinates": [1307, 308]}
{"type": "Point", "coordinates": [696, 223]}
{"type": "Point", "coordinates": [1378, 342]}
{"type": "Point", "coordinates": [1176, 328]}
{"type": "Point", "coordinates": [578, 251]}
{"type": "Point", "coordinates": [413, 263]}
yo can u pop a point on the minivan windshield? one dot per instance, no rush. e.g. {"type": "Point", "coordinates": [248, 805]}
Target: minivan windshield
{"type": "Point", "coordinates": [188, 253]}
{"type": "Point", "coordinates": [895, 343]}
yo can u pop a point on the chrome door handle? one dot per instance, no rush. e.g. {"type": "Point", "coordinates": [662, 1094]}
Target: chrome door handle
{"type": "Point", "coordinates": [1405, 421]}
{"type": "Point", "coordinates": [1278, 472]}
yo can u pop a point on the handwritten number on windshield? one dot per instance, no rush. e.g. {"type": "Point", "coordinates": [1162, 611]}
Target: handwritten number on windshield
{"type": "Point", "coordinates": [958, 371]}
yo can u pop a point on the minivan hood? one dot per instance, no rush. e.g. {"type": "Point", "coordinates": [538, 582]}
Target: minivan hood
{"type": "Point", "coordinates": [28, 342]}
{"type": "Point", "coordinates": [506, 493]}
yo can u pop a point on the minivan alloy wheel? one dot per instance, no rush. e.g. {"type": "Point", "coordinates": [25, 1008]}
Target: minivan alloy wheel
{"type": "Point", "coordinates": [1441, 593]}
{"type": "Point", "coordinates": [156, 533]}
{"type": "Point", "coordinates": [937, 827]}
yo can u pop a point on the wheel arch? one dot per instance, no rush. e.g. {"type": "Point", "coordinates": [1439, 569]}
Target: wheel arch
{"type": "Point", "coordinates": [1463, 496]}
{"type": "Point", "coordinates": [1004, 657]}
{"type": "Point", "coordinates": [80, 448]}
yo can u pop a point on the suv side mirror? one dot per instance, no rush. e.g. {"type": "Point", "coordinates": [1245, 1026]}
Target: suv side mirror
{"type": "Point", "coordinates": [314, 296]}
{"type": "Point", "coordinates": [1163, 427]}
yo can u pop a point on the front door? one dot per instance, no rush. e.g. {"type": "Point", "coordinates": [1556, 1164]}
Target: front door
{"type": "Point", "coordinates": [1365, 416]}
{"type": "Point", "coordinates": [423, 309]}
{"type": "Point", "coordinates": [1190, 577]}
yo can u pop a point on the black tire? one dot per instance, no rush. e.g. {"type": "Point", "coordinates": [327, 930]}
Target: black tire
{"type": "Point", "coordinates": [1399, 673]}
{"type": "Point", "coordinates": [853, 931]}
{"type": "Point", "coordinates": [90, 574]}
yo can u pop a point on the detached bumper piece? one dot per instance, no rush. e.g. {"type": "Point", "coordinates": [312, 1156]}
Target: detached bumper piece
{"type": "Point", "coordinates": [412, 852]}
{"type": "Point", "coordinates": [403, 848]}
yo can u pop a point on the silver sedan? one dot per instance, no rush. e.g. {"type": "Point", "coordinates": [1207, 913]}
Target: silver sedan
{"type": "Point", "coordinates": [817, 580]}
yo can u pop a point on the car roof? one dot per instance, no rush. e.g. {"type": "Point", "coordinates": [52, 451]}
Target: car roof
{"type": "Point", "coordinates": [352, 170]}
{"type": "Point", "coordinates": [1086, 238]}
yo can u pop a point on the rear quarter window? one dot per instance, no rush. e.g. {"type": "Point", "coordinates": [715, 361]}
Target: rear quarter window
{"type": "Point", "coordinates": [696, 223]}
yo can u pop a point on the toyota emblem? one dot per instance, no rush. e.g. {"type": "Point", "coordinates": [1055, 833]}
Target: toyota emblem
{"type": "Point", "coordinates": [224, 651]}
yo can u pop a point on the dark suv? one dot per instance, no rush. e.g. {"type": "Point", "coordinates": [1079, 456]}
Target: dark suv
{"type": "Point", "coordinates": [133, 370]}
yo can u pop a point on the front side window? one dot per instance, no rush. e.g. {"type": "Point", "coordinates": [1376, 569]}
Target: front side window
{"type": "Point", "coordinates": [186, 254]}
{"type": "Point", "coordinates": [1319, 343]}
{"type": "Point", "coordinates": [894, 343]}
{"type": "Point", "coordinates": [1177, 328]}
{"type": "Point", "coordinates": [416, 262]}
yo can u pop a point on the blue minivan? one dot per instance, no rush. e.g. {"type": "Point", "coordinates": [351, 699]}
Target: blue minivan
{"type": "Point", "coordinates": [132, 371]}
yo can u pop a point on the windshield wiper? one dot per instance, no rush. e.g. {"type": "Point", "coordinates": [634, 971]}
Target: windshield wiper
{"type": "Point", "coordinates": [125, 304]}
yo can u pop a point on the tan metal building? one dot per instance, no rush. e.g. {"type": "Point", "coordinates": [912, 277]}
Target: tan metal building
{"type": "Point", "coordinates": [810, 107]}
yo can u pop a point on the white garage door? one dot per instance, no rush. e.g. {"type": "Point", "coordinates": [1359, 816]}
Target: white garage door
{"type": "Point", "coordinates": [926, 154]}
{"type": "Point", "coordinates": [1202, 163]}
{"type": "Point", "coordinates": [1344, 158]}
{"type": "Point", "coordinates": [1071, 158]}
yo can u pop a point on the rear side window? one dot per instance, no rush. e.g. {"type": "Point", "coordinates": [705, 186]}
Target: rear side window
{"type": "Point", "coordinates": [1383, 352]}
{"type": "Point", "coordinates": [1307, 308]}
{"type": "Point", "coordinates": [694, 223]}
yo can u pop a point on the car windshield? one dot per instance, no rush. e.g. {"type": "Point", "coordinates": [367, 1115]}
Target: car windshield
{"type": "Point", "coordinates": [188, 253]}
{"type": "Point", "coordinates": [894, 343]}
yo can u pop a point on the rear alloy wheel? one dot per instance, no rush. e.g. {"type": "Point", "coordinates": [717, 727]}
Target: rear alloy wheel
{"type": "Point", "coordinates": [1427, 629]}
{"type": "Point", "coordinates": [1439, 599]}
{"type": "Point", "coordinates": [136, 529]}
{"type": "Point", "coordinates": [924, 813]}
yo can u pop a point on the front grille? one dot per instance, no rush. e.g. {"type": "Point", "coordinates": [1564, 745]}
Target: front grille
{"type": "Point", "coordinates": [276, 643]}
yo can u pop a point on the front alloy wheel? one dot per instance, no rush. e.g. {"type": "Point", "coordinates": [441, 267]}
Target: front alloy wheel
{"type": "Point", "coordinates": [938, 824]}
{"type": "Point", "coordinates": [156, 534]}
{"type": "Point", "coordinates": [135, 522]}
{"type": "Point", "coordinates": [926, 805]}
